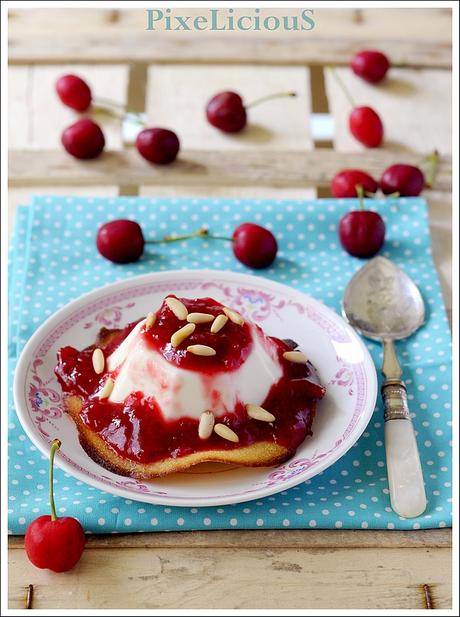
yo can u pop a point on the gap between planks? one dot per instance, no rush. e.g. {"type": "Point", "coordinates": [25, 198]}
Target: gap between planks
{"type": "Point", "coordinates": [277, 538]}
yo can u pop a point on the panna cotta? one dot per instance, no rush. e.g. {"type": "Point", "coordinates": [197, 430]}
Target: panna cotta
{"type": "Point", "coordinates": [192, 382]}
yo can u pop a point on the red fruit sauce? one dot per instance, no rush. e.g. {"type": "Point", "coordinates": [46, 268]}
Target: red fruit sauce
{"type": "Point", "coordinates": [137, 430]}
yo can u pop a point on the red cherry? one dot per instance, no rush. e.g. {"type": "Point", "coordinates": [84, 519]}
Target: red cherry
{"type": "Point", "coordinates": [52, 542]}
{"type": "Point", "coordinates": [254, 245]}
{"type": "Point", "coordinates": [120, 241]}
{"type": "Point", "coordinates": [74, 92]}
{"type": "Point", "coordinates": [362, 233]}
{"type": "Point", "coordinates": [159, 146]}
{"type": "Point", "coordinates": [371, 65]}
{"type": "Point", "coordinates": [407, 180]}
{"type": "Point", "coordinates": [56, 545]}
{"type": "Point", "coordinates": [345, 182]}
{"type": "Point", "coordinates": [83, 139]}
{"type": "Point", "coordinates": [366, 126]}
{"type": "Point", "coordinates": [226, 112]}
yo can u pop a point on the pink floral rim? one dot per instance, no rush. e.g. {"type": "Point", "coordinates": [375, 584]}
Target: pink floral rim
{"type": "Point", "coordinates": [45, 400]}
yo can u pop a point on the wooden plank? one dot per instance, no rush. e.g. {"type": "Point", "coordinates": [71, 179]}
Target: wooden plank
{"type": "Point", "coordinates": [214, 168]}
{"type": "Point", "coordinates": [48, 116]}
{"type": "Point", "coordinates": [175, 101]}
{"type": "Point", "coordinates": [440, 213]}
{"type": "Point", "coordinates": [274, 538]}
{"type": "Point", "coordinates": [415, 24]}
{"type": "Point", "coordinates": [418, 37]}
{"type": "Point", "coordinates": [415, 107]}
{"type": "Point", "coordinates": [19, 117]}
{"type": "Point", "coordinates": [237, 192]}
{"type": "Point", "coordinates": [237, 578]}
{"type": "Point", "coordinates": [143, 47]}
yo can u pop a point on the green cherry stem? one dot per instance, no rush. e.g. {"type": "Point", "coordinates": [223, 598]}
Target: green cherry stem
{"type": "Point", "coordinates": [433, 166]}
{"type": "Point", "coordinates": [341, 85]}
{"type": "Point", "coordinates": [199, 233]}
{"type": "Point", "coordinates": [360, 193]}
{"type": "Point", "coordinates": [55, 445]}
{"type": "Point", "coordinates": [114, 110]}
{"type": "Point", "coordinates": [213, 237]}
{"type": "Point", "coordinates": [268, 97]}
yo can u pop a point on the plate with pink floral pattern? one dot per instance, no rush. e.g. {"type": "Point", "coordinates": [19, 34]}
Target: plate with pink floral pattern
{"type": "Point", "coordinates": [343, 363]}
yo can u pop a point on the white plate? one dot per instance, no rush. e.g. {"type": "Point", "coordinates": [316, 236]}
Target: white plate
{"type": "Point", "coordinates": [342, 361]}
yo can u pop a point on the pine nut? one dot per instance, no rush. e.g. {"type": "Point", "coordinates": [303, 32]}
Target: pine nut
{"type": "Point", "coordinates": [218, 323]}
{"type": "Point", "coordinates": [107, 388]}
{"type": "Point", "coordinates": [182, 334]}
{"type": "Point", "coordinates": [150, 320]}
{"type": "Point", "coordinates": [224, 431]}
{"type": "Point", "coordinates": [206, 425]}
{"type": "Point", "coordinates": [199, 317]}
{"type": "Point", "coordinates": [201, 350]}
{"type": "Point", "coordinates": [259, 413]}
{"type": "Point", "coordinates": [177, 307]}
{"type": "Point", "coordinates": [98, 361]}
{"type": "Point", "coordinates": [234, 316]}
{"type": "Point", "coordinates": [295, 356]}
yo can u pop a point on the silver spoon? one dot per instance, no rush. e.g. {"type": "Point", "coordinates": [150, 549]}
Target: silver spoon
{"type": "Point", "coordinates": [381, 302]}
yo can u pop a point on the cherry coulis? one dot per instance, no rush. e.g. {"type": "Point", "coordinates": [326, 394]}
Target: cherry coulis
{"type": "Point", "coordinates": [137, 430]}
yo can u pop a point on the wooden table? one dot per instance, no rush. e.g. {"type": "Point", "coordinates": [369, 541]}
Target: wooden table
{"type": "Point", "coordinates": [171, 76]}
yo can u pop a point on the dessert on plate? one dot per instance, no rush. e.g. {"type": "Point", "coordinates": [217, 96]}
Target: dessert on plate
{"type": "Point", "coordinates": [193, 382]}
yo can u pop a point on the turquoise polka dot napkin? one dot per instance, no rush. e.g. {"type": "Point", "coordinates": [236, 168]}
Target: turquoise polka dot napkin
{"type": "Point", "coordinates": [54, 260]}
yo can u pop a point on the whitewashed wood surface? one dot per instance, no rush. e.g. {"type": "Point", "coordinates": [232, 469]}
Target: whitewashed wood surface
{"type": "Point", "coordinates": [171, 77]}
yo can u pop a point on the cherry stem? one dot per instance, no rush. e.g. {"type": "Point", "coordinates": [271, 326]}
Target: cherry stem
{"type": "Point", "coordinates": [116, 110]}
{"type": "Point", "coordinates": [55, 445]}
{"type": "Point", "coordinates": [360, 193]}
{"type": "Point", "coordinates": [199, 233]}
{"type": "Point", "coordinates": [268, 97]}
{"type": "Point", "coordinates": [342, 86]}
{"type": "Point", "coordinates": [433, 166]}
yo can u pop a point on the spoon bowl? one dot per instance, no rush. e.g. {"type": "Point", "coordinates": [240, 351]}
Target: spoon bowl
{"type": "Point", "coordinates": [382, 302]}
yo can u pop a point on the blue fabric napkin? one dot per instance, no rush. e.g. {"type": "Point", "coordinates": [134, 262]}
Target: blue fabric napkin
{"type": "Point", "coordinates": [54, 260]}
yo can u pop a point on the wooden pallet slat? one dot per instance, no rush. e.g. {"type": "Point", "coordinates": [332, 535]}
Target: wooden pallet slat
{"type": "Point", "coordinates": [173, 100]}
{"type": "Point", "coordinates": [143, 47]}
{"type": "Point", "coordinates": [49, 117]}
{"type": "Point", "coordinates": [414, 105]}
{"type": "Point", "coordinates": [237, 578]}
{"type": "Point", "coordinates": [198, 167]}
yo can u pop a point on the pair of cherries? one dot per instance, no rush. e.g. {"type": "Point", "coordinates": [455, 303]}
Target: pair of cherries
{"type": "Point", "coordinates": [405, 180]}
{"type": "Point", "coordinates": [364, 122]}
{"type": "Point", "coordinates": [85, 140]}
{"type": "Point", "coordinates": [122, 241]}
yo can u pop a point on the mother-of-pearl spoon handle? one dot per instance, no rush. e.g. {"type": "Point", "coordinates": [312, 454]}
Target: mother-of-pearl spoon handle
{"type": "Point", "coordinates": [405, 477]}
